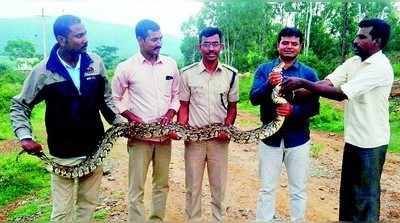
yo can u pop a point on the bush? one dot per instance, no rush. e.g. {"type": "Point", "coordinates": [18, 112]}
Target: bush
{"type": "Point", "coordinates": [10, 83]}
{"type": "Point", "coordinates": [245, 83]}
{"type": "Point", "coordinates": [322, 67]}
{"type": "Point", "coordinates": [12, 77]}
{"type": "Point", "coordinates": [4, 68]}
{"type": "Point", "coordinates": [394, 56]}
{"type": "Point", "coordinates": [7, 91]}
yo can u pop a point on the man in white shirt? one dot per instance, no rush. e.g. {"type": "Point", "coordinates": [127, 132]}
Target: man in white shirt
{"type": "Point", "coordinates": [365, 81]}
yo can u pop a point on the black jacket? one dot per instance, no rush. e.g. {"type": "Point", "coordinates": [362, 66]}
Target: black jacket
{"type": "Point", "coordinates": [73, 121]}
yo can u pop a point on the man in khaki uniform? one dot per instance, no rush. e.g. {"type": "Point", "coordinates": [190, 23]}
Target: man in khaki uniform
{"type": "Point", "coordinates": [74, 86]}
{"type": "Point", "coordinates": [208, 93]}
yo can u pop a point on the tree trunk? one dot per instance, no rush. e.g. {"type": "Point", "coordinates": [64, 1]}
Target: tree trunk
{"type": "Point", "coordinates": [345, 30]}
{"type": "Point", "coordinates": [305, 33]}
{"type": "Point", "coordinates": [309, 28]}
{"type": "Point", "coordinates": [227, 48]}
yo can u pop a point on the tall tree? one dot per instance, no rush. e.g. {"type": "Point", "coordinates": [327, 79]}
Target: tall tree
{"type": "Point", "coordinates": [250, 27]}
{"type": "Point", "coordinates": [188, 48]}
{"type": "Point", "coordinates": [247, 28]}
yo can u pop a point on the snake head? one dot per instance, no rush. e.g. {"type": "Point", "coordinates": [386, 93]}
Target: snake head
{"type": "Point", "coordinates": [279, 67]}
{"type": "Point", "coordinates": [39, 154]}
{"type": "Point", "coordinates": [19, 154]}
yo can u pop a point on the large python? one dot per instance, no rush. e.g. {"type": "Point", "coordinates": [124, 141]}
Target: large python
{"type": "Point", "coordinates": [152, 130]}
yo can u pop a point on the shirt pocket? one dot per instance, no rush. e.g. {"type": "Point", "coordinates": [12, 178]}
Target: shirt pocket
{"type": "Point", "coordinates": [198, 94]}
{"type": "Point", "coordinates": [166, 85]}
{"type": "Point", "coordinates": [221, 96]}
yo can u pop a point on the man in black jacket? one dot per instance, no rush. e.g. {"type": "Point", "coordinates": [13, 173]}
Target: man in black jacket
{"type": "Point", "coordinates": [74, 87]}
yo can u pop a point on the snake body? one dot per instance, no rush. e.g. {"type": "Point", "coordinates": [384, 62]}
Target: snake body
{"type": "Point", "coordinates": [156, 130]}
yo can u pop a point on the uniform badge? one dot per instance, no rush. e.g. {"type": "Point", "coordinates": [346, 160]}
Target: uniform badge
{"type": "Point", "coordinates": [89, 70]}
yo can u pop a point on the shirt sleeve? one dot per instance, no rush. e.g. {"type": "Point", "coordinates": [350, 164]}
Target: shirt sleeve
{"type": "Point", "coordinates": [339, 75]}
{"type": "Point", "coordinates": [368, 80]}
{"type": "Point", "coordinates": [175, 91]}
{"type": "Point", "coordinates": [310, 107]}
{"type": "Point", "coordinates": [184, 90]}
{"type": "Point", "coordinates": [120, 84]}
{"type": "Point", "coordinates": [22, 105]}
{"type": "Point", "coordinates": [108, 108]}
{"type": "Point", "coordinates": [259, 90]}
{"type": "Point", "coordinates": [234, 91]}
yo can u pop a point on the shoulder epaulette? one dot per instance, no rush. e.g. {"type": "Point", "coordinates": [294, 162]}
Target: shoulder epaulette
{"type": "Point", "coordinates": [234, 70]}
{"type": "Point", "coordinates": [188, 67]}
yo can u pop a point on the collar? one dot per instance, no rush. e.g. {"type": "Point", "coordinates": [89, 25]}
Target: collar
{"type": "Point", "coordinates": [295, 65]}
{"type": "Point", "coordinates": [66, 65]}
{"type": "Point", "coordinates": [54, 64]}
{"type": "Point", "coordinates": [142, 59]}
{"type": "Point", "coordinates": [203, 67]}
{"type": "Point", "coordinates": [374, 57]}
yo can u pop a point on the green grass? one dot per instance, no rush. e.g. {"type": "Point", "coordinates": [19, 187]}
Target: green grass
{"type": "Point", "coordinates": [37, 121]}
{"type": "Point", "coordinates": [20, 178]}
{"type": "Point", "coordinates": [36, 210]}
{"type": "Point", "coordinates": [11, 84]}
{"type": "Point", "coordinates": [248, 107]}
{"type": "Point", "coordinates": [100, 215]}
{"type": "Point", "coordinates": [329, 119]}
{"type": "Point", "coordinates": [26, 179]}
{"type": "Point", "coordinates": [316, 149]}
{"type": "Point", "coordinates": [5, 127]}
{"type": "Point", "coordinates": [244, 104]}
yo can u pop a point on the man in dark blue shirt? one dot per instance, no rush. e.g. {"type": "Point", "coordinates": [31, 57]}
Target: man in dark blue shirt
{"type": "Point", "coordinates": [291, 144]}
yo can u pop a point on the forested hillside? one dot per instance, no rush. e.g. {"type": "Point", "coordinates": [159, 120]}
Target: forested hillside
{"type": "Point", "coordinates": [99, 33]}
{"type": "Point", "coordinates": [251, 27]}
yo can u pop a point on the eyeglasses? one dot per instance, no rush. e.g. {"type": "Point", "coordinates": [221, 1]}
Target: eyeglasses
{"type": "Point", "coordinates": [208, 45]}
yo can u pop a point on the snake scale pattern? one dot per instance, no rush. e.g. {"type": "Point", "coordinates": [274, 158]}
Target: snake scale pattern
{"type": "Point", "coordinates": [150, 130]}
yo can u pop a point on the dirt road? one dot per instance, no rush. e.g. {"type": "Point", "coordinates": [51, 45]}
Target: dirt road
{"type": "Point", "coordinates": [243, 183]}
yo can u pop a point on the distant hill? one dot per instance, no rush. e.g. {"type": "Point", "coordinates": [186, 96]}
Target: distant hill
{"type": "Point", "coordinates": [99, 33]}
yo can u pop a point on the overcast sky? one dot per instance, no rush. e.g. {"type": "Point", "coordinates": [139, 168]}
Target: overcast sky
{"type": "Point", "coordinates": [168, 13]}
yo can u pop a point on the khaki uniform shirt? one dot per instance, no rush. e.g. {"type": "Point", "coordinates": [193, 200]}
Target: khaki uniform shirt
{"type": "Point", "coordinates": [367, 85]}
{"type": "Point", "coordinates": [208, 94]}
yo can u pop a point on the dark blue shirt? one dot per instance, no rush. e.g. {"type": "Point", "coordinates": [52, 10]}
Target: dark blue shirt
{"type": "Point", "coordinates": [295, 130]}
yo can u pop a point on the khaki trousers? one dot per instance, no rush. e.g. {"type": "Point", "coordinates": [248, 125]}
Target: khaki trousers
{"type": "Point", "coordinates": [197, 154]}
{"type": "Point", "coordinates": [64, 194]}
{"type": "Point", "coordinates": [140, 156]}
